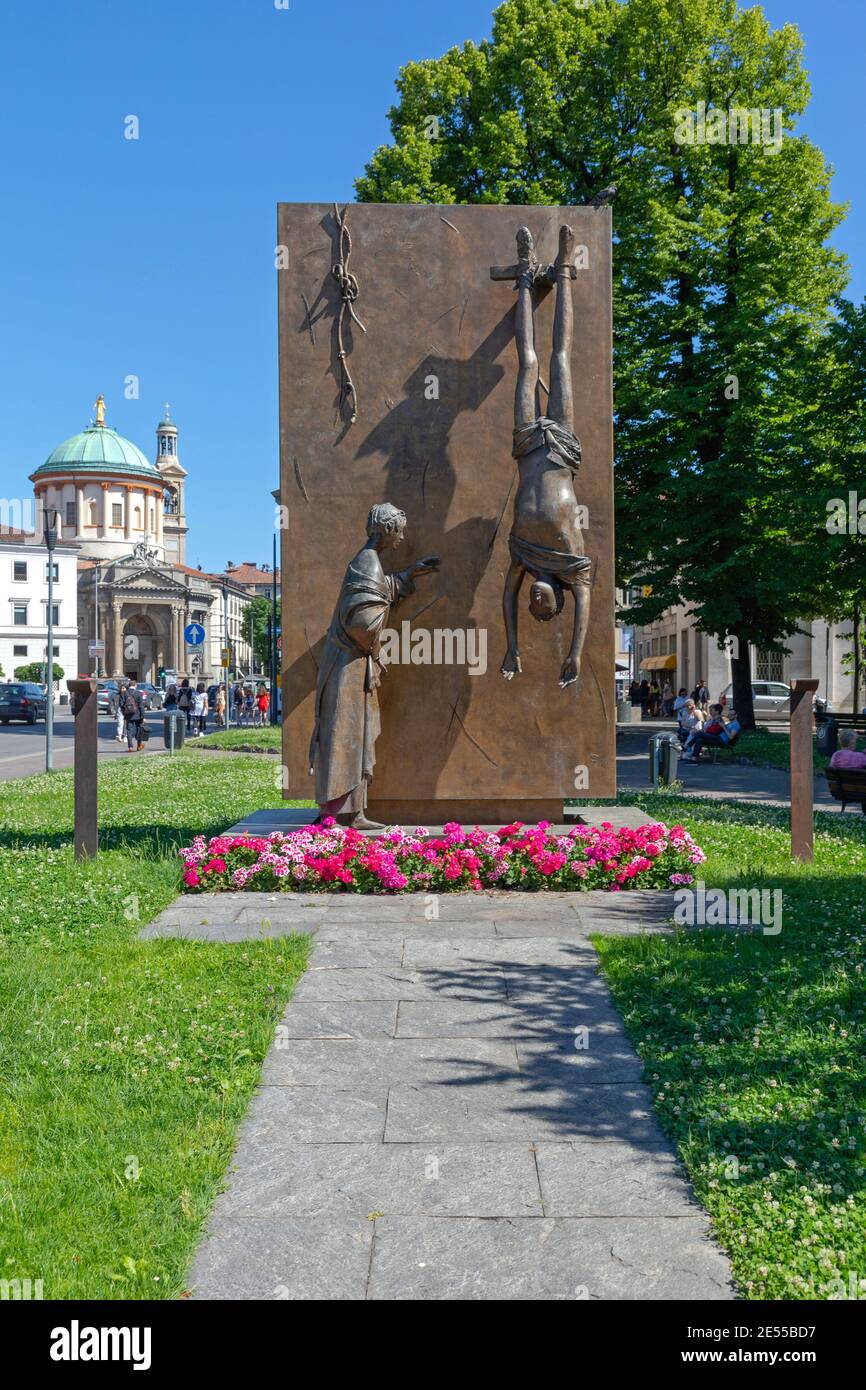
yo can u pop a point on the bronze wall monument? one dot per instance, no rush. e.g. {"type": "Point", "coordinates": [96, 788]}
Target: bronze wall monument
{"type": "Point", "coordinates": [445, 352]}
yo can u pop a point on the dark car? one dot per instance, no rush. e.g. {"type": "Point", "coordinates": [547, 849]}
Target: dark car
{"type": "Point", "coordinates": [153, 696]}
{"type": "Point", "coordinates": [22, 700]}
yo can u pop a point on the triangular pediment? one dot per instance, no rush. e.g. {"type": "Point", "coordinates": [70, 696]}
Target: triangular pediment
{"type": "Point", "coordinates": [172, 470]}
{"type": "Point", "coordinates": [147, 578]}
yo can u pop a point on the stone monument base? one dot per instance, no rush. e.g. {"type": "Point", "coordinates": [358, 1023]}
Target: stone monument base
{"type": "Point", "coordinates": [289, 818]}
{"type": "Point", "coordinates": [428, 812]}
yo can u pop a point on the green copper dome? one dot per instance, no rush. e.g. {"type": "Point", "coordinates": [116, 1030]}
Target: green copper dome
{"type": "Point", "coordinates": [98, 450]}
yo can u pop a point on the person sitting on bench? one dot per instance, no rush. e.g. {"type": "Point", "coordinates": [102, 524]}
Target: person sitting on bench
{"type": "Point", "coordinates": [715, 734]}
{"type": "Point", "coordinates": [846, 756]}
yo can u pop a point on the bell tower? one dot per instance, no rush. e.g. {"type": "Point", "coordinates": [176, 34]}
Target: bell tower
{"type": "Point", "coordinates": [174, 489]}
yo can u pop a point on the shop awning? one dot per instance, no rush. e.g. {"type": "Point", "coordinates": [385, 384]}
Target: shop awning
{"type": "Point", "coordinates": [659, 663]}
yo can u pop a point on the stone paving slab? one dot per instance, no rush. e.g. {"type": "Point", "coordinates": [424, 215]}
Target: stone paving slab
{"type": "Point", "coordinates": [319, 1115]}
{"type": "Point", "coordinates": [331, 985]}
{"type": "Point", "coordinates": [544, 1109]}
{"type": "Point", "coordinates": [321, 1258]}
{"type": "Point", "coordinates": [432, 1259]}
{"type": "Point", "coordinates": [428, 1062]}
{"type": "Point", "coordinates": [613, 1179]}
{"type": "Point", "coordinates": [534, 950]}
{"type": "Point", "coordinates": [450, 1110]}
{"type": "Point", "coordinates": [339, 1019]}
{"type": "Point", "coordinates": [483, 1180]}
{"type": "Point", "coordinates": [457, 1018]}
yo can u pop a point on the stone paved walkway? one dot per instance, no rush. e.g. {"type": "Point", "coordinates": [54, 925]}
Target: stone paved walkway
{"type": "Point", "coordinates": [426, 1127]}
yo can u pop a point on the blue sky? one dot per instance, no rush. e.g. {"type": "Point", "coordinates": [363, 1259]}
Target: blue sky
{"type": "Point", "coordinates": [155, 257]}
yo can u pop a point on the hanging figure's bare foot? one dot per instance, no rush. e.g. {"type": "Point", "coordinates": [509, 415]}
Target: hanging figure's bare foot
{"type": "Point", "coordinates": [566, 247]}
{"type": "Point", "coordinates": [527, 262]}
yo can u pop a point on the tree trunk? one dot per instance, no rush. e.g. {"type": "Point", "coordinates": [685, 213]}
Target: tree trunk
{"type": "Point", "coordinates": [858, 657]}
{"type": "Point", "coordinates": [741, 675]}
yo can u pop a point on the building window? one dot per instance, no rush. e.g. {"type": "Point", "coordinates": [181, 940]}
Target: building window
{"type": "Point", "coordinates": [19, 614]}
{"type": "Point", "coordinates": [19, 650]}
{"type": "Point", "coordinates": [768, 666]}
{"type": "Point", "coordinates": [55, 609]}
{"type": "Point", "coordinates": [19, 571]}
{"type": "Point", "coordinates": [71, 517]}
{"type": "Point", "coordinates": [56, 651]}
{"type": "Point", "coordinates": [117, 514]}
{"type": "Point", "coordinates": [56, 569]}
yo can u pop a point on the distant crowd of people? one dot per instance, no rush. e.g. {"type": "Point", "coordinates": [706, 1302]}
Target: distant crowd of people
{"type": "Point", "coordinates": [700, 725]}
{"type": "Point", "coordinates": [660, 701]}
{"type": "Point", "coordinates": [244, 702]}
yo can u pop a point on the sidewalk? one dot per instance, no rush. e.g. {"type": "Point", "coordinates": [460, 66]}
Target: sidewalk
{"type": "Point", "coordinates": [720, 781]}
{"type": "Point", "coordinates": [434, 1123]}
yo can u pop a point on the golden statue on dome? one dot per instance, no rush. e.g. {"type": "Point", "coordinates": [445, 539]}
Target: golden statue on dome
{"type": "Point", "coordinates": [99, 407]}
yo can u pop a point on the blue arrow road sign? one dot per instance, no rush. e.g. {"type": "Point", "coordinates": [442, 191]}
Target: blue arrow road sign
{"type": "Point", "coordinates": [193, 635]}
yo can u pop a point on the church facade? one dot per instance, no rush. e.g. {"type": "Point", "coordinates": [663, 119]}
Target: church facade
{"type": "Point", "coordinates": [136, 594]}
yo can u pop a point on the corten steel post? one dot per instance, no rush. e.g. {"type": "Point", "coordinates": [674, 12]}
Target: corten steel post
{"type": "Point", "coordinates": [802, 770]}
{"type": "Point", "coordinates": [84, 707]}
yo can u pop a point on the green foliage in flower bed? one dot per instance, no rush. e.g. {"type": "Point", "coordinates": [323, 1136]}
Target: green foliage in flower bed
{"type": "Point", "coordinates": [753, 1046]}
{"type": "Point", "coordinates": [125, 1066]}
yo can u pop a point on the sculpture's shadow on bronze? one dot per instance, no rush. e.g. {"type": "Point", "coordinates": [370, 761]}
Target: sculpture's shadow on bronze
{"type": "Point", "coordinates": [421, 481]}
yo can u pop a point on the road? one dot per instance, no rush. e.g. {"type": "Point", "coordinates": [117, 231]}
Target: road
{"type": "Point", "coordinates": [22, 746]}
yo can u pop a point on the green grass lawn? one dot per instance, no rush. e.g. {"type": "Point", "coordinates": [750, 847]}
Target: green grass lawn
{"type": "Point", "coordinates": [265, 738]}
{"type": "Point", "coordinates": [125, 1066]}
{"type": "Point", "coordinates": [765, 748]}
{"type": "Point", "coordinates": [753, 1046]}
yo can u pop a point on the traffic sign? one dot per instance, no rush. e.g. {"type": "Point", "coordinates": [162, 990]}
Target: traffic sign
{"type": "Point", "coordinates": [96, 648]}
{"type": "Point", "coordinates": [194, 635]}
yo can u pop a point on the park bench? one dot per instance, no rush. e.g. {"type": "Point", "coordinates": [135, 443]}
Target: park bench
{"type": "Point", "coordinates": [847, 785]}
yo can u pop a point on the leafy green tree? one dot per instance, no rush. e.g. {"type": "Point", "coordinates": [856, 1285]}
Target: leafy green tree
{"type": "Point", "coordinates": [258, 615]}
{"type": "Point", "coordinates": [35, 671]}
{"type": "Point", "coordinates": [723, 279]}
{"type": "Point", "coordinates": [838, 452]}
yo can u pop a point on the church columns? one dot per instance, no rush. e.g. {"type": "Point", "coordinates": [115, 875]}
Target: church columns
{"type": "Point", "coordinates": [102, 519]}
{"type": "Point", "coordinates": [159, 540]}
{"type": "Point", "coordinates": [176, 637]}
{"type": "Point", "coordinates": [117, 638]}
{"type": "Point", "coordinates": [79, 510]}
{"type": "Point", "coordinates": [127, 514]}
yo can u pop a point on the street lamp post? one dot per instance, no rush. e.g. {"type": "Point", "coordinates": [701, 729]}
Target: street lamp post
{"type": "Point", "coordinates": [50, 534]}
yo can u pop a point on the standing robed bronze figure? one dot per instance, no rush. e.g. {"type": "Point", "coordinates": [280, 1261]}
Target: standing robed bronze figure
{"type": "Point", "coordinates": [347, 722]}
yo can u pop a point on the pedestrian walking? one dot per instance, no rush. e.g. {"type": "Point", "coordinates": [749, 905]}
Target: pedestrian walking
{"type": "Point", "coordinates": [121, 696]}
{"type": "Point", "coordinates": [133, 716]}
{"type": "Point", "coordinates": [200, 709]}
{"type": "Point", "coordinates": [186, 702]}
{"type": "Point", "coordinates": [263, 701]}
{"type": "Point", "coordinates": [220, 706]}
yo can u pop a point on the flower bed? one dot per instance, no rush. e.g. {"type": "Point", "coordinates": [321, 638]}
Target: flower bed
{"type": "Point", "coordinates": [332, 858]}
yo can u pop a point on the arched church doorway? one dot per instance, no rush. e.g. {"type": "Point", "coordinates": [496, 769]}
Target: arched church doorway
{"type": "Point", "coordinates": [140, 648]}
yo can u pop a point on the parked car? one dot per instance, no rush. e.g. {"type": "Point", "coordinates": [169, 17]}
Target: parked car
{"type": "Point", "coordinates": [22, 700]}
{"type": "Point", "coordinates": [106, 697]}
{"type": "Point", "coordinates": [772, 701]}
{"type": "Point", "coordinates": [154, 698]}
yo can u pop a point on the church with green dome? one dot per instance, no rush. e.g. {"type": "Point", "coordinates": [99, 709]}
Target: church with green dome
{"type": "Point", "coordinates": [126, 516]}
